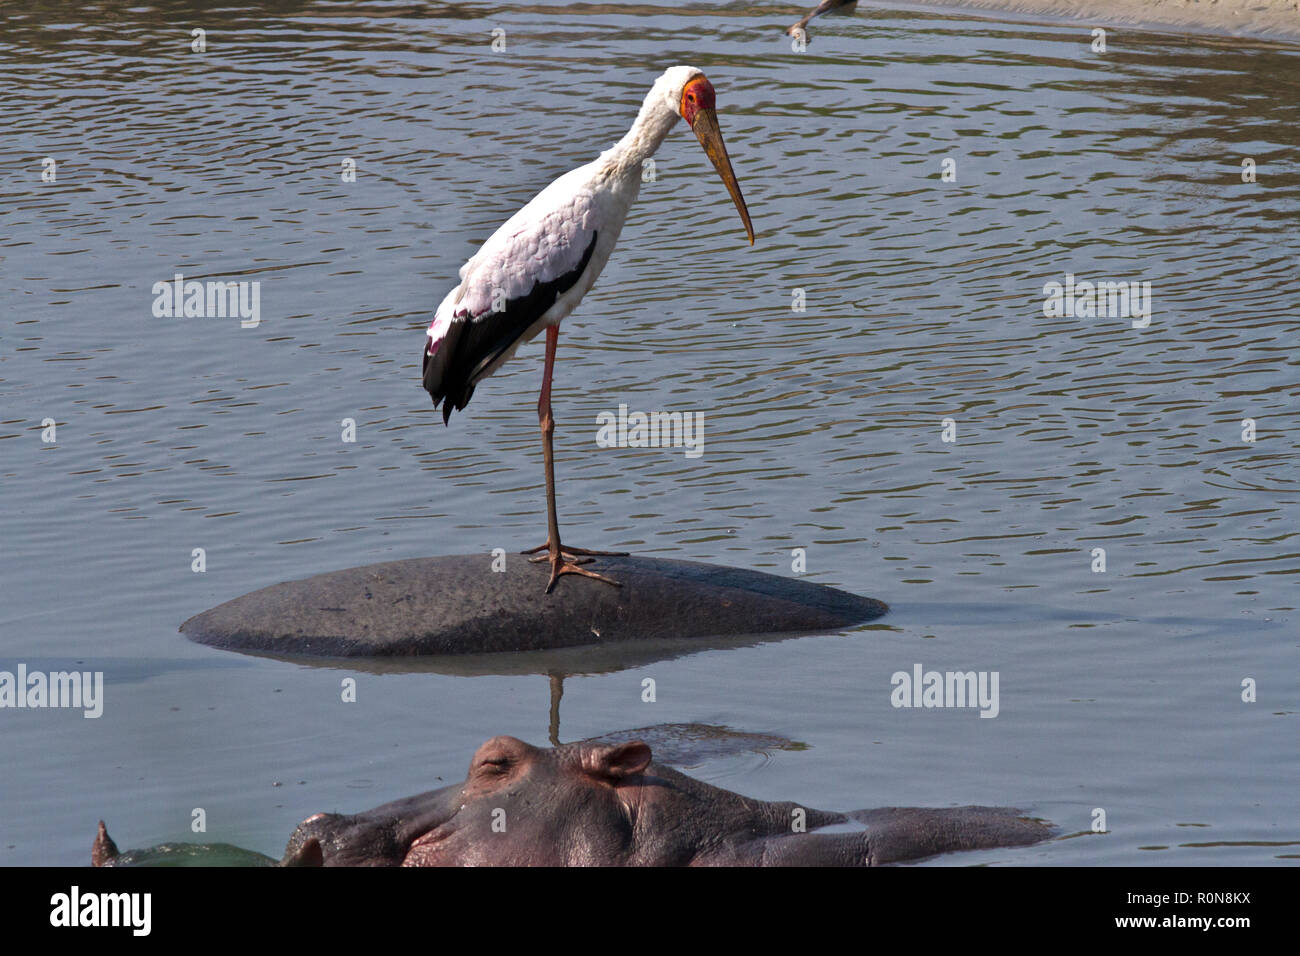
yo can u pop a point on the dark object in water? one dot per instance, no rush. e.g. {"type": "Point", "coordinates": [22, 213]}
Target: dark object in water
{"type": "Point", "coordinates": [826, 6]}
{"type": "Point", "coordinates": [105, 853]}
{"type": "Point", "coordinates": [458, 605]}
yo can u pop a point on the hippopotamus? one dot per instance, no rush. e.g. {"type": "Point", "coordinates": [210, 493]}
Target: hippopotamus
{"type": "Point", "coordinates": [608, 804]}
{"type": "Point", "coordinates": [604, 804]}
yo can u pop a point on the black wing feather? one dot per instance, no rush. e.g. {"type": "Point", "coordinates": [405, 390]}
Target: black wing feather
{"type": "Point", "coordinates": [473, 346]}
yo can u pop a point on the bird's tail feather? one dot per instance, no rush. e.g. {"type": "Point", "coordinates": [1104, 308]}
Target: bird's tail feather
{"type": "Point", "coordinates": [444, 388]}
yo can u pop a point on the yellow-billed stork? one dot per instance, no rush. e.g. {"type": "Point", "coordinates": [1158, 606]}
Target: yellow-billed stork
{"type": "Point", "coordinates": [537, 267]}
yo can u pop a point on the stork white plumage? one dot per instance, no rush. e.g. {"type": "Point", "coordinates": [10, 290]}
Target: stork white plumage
{"type": "Point", "coordinates": [536, 268]}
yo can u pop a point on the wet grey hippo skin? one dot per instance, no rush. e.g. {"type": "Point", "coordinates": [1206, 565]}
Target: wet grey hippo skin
{"type": "Point", "coordinates": [457, 605]}
{"type": "Point", "coordinates": [609, 805]}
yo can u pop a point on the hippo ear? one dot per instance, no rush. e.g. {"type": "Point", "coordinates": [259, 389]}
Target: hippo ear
{"type": "Point", "coordinates": [616, 763]}
{"type": "Point", "coordinates": [104, 849]}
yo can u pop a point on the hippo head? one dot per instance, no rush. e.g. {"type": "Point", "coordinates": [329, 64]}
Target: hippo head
{"type": "Point", "coordinates": [523, 805]}
{"type": "Point", "coordinates": [519, 805]}
{"type": "Point", "coordinates": [595, 804]}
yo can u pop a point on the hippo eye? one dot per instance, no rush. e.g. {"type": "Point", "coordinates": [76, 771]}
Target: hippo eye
{"type": "Point", "coordinates": [498, 763]}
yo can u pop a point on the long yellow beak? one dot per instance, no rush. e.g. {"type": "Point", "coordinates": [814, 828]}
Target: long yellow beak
{"type": "Point", "coordinates": [706, 131]}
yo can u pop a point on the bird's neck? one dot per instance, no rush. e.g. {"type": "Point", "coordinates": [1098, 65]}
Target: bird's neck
{"type": "Point", "coordinates": [653, 123]}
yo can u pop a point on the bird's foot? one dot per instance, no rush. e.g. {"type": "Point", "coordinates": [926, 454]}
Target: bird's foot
{"type": "Point", "coordinates": [562, 564]}
{"type": "Point", "coordinates": [566, 560]}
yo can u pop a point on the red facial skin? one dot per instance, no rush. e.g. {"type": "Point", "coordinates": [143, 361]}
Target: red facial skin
{"type": "Point", "coordinates": [698, 95]}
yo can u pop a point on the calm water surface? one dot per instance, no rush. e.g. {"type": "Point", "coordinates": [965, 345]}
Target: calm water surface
{"type": "Point", "coordinates": [1120, 690]}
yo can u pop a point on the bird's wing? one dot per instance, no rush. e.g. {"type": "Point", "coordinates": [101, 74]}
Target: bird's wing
{"type": "Point", "coordinates": [536, 256]}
